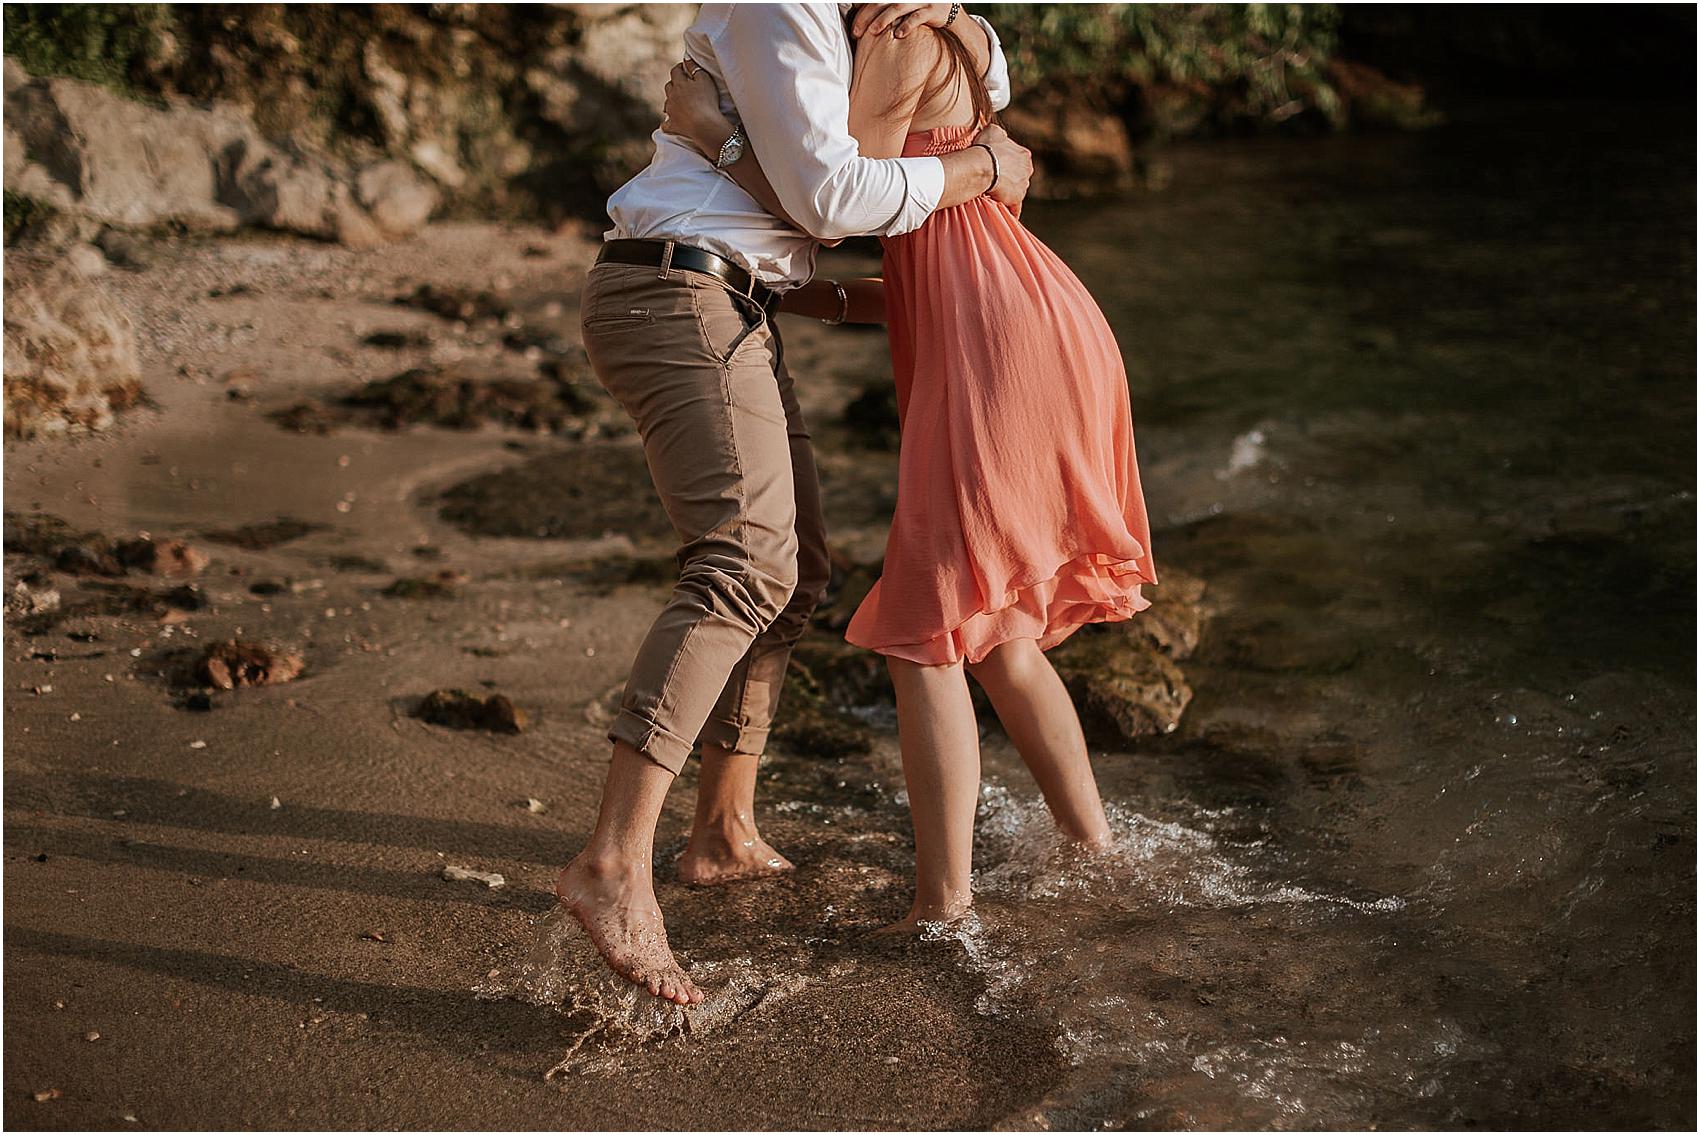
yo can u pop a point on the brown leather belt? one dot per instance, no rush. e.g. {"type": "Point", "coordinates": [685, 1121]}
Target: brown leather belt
{"type": "Point", "coordinates": [669, 254]}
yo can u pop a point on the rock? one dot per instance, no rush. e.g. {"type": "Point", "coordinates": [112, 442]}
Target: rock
{"type": "Point", "coordinates": [70, 350]}
{"type": "Point", "coordinates": [1123, 676]}
{"type": "Point", "coordinates": [395, 197]}
{"type": "Point", "coordinates": [164, 557]}
{"type": "Point", "coordinates": [123, 249]}
{"type": "Point", "coordinates": [468, 304]}
{"type": "Point", "coordinates": [579, 492]}
{"type": "Point", "coordinates": [456, 874]}
{"type": "Point", "coordinates": [268, 534]}
{"type": "Point", "coordinates": [458, 709]}
{"type": "Point", "coordinates": [1120, 683]}
{"type": "Point", "coordinates": [1175, 619]}
{"type": "Point", "coordinates": [444, 585]}
{"type": "Point", "coordinates": [397, 340]}
{"type": "Point", "coordinates": [24, 599]}
{"type": "Point", "coordinates": [85, 260]}
{"type": "Point", "coordinates": [826, 679]}
{"type": "Point", "coordinates": [237, 662]}
{"type": "Point", "coordinates": [79, 559]}
{"type": "Point", "coordinates": [1076, 149]}
{"type": "Point", "coordinates": [465, 397]}
{"type": "Point", "coordinates": [1371, 98]}
{"type": "Point", "coordinates": [86, 150]}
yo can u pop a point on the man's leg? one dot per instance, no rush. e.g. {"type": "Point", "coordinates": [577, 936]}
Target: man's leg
{"type": "Point", "coordinates": [692, 366]}
{"type": "Point", "coordinates": [725, 844]}
{"type": "Point", "coordinates": [610, 885]}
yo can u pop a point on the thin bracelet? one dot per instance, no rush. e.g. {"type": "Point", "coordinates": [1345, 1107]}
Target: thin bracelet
{"type": "Point", "coordinates": [843, 304]}
{"type": "Point", "coordinates": [955, 10]}
{"type": "Point", "coordinates": [994, 158]}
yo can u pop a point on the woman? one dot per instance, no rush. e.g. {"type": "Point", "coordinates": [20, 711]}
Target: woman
{"type": "Point", "coordinates": [1019, 516]}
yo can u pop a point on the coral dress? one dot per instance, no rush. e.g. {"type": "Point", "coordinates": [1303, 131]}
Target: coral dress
{"type": "Point", "coordinates": [1019, 513]}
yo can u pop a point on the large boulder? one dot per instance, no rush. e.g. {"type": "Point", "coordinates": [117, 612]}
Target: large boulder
{"type": "Point", "coordinates": [87, 151]}
{"type": "Point", "coordinates": [1125, 677]}
{"type": "Point", "coordinates": [71, 359]}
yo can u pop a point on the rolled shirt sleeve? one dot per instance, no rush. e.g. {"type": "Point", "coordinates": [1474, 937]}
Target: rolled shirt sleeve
{"type": "Point", "coordinates": [997, 71]}
{"type": "Point", "coordinates": [782, 69]}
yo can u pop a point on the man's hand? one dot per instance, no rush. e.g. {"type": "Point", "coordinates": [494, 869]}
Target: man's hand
{"type": "Point", "coordinates": [874, 19]}
{"type": "Point", "coordinates": [1015, 166]}
{"type": "Point", "coordinates": [693, 110]}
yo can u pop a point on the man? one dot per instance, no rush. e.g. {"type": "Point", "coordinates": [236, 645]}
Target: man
{"type": "Point", "coordinates": [677, 324]}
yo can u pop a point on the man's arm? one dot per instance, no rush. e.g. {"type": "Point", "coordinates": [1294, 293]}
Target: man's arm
{"type": "Point", "coordinates": [779, 63]}
{"type": "Point", "coordinates": [789, 187]}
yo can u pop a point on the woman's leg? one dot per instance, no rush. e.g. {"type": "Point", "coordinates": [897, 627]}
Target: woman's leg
{"type": "Point", "coordinates": [941, 764]}
{"type": "Point", "coordinates": [1039, 717]}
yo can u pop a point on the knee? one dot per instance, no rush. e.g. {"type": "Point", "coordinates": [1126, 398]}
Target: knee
{"type": "Point", "coordinates": [1007, 662]}
{"type": "Point", "coordinates": [750, 586]}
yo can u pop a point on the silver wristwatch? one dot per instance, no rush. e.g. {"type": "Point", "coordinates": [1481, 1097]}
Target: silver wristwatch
{"type": "Point", "coordinates": [732, 149]}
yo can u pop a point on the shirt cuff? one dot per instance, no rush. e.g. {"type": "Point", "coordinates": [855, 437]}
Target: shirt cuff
{"type": "Point", "coordinates": [924, 178]}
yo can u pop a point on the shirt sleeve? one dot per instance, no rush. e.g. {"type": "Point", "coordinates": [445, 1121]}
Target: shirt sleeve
{"type": "Point", "coordinates": [781, 67]}
{"type": "Point", "coordinates": [997, 71]}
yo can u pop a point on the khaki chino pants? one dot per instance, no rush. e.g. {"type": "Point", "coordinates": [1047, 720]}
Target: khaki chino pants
{"type": "Point", "coordinates": [701, 371]}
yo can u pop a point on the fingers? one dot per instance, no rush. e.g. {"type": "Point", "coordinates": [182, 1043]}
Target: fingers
{"type": "Point", "coordinates": [875, 19]}
{"type": "Point", "coordinates": [864, 19]}
{"type": "Point", "coordinates": [992, 133]}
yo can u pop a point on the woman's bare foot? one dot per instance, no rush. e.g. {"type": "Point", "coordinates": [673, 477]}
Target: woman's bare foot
{"type": "Point", "coordinates": [722, 856]}
{"type": "Point", "coordinates": [615, 903]}
{"type": "Point", "coordinates": [926, 920]}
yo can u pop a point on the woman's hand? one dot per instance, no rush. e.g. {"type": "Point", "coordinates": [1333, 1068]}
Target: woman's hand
{"type": "Point", "coordinates": [873, 19]}
{"type": "Point", "coordinates": [693, 110]}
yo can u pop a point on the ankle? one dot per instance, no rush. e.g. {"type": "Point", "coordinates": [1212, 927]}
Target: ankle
{"type": "Point", "coordinates": [611, 864]}
{"type": "Point", "coordinates": [942, 906]}
{"type": "Point", "coordinates": [724, 827]}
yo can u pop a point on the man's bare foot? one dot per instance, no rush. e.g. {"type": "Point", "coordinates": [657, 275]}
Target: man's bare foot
{"type": "Point", "coordinates": [616, 905]}
{"type": "Point", "coordinates": [712, 858]}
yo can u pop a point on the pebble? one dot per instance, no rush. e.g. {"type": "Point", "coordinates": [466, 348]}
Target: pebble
{"type": "Point", "coordinates": [197, 744]}
{"type": "Point", "coordinates": [91, 1036]}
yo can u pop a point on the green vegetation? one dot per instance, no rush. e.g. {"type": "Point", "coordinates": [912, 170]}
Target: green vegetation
{"type": "Point", "coordinates": [22, 213]}
{"type": "Point", "coordinates": [97, 42]}
{"type": "Point", "coordinates": [1230, 64]}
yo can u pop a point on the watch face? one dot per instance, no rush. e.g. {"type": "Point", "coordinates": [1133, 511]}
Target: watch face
{"type": "Point", "coordinates": [731, 151]}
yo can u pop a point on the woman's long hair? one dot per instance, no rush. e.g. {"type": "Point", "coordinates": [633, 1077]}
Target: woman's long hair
{"type": "Point", "coordinates": [955, 65]}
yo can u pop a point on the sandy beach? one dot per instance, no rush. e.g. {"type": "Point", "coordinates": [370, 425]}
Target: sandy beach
{"type": "Point", "coordinates": [247, 904]}
{"type": "Point", "coordinates": [1418, 854]}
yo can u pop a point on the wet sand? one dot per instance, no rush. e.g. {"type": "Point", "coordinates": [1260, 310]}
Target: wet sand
{"type": "Point", "coordinates": [223, 948]}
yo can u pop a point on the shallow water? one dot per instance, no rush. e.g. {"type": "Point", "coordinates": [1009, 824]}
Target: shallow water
{"type": "Point", "coordinates": [1420, 410]}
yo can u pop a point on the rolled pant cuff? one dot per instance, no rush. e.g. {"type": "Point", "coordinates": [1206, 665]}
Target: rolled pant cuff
{"type": "Point", "coordinates": [668, 750]}
{"type": "Point", "coordinates": [738, 739]}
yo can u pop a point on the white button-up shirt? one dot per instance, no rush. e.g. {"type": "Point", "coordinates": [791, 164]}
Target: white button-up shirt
{"type": "Point", "coordinates": [783, 71]}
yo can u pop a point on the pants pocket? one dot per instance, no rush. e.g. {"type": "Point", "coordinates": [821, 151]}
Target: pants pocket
{"type": "Point", "coordinates": [727, 320]}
